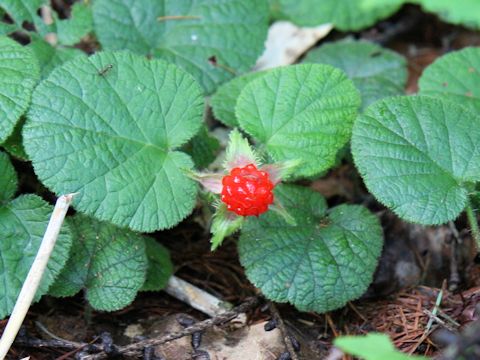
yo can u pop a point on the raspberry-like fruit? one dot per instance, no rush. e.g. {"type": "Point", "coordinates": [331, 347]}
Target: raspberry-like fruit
{"type": "Point", "coordinates": [247, 191]}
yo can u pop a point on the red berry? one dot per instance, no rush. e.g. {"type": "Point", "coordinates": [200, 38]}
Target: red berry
{"type": "Point", "coordinates": [247, 191]}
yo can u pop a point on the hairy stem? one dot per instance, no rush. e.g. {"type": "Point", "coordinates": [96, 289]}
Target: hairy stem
{"type": "Point", "coordinates": [472, 220]}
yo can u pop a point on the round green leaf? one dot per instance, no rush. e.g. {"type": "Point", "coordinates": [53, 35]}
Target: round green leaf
{"type": "Point", "coordinates": [8, 178]}
{"type": "Point", "coordinates": [22, 225]}
{"type": "Point", "coordinates": [224, 100]}
{"type": "Point", "coordinates": [19, 73]}
{"type": "Point", "coordinates": [300, 112]}
{"type": "Point", "coordinates": [50, 57]}
{"type": "Point", "coordinates": [463, 12]}
{"type": "Point", "coordinates": [212, 39]}
{"type": "Point", "coordinates": [14, 143]}
{"type": "Point", "coordinates": [106, 127]}
{"type": "Point", "coordinates": [455, 77]}
{"type": "Point", "coordinates": [375, 71]}
{"type": "Point", "coordinates": [317, 265]}
{"type": "Point", "coordinates": [417, 154]}
{"type": "Point", "coordinates": [346, 15]}
{"type": "Point", "coordinates": [108, 262]}
{"type": "Point", "coordinates": [160, 267]}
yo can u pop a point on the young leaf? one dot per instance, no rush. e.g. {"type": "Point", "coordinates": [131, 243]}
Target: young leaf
{"type": "Point", "coordinates": [19, 74]}
{"type": "Point", "coordinates": [160, 267]}
{"type": "Point", "coordinates": [8, 179]}
{"type": "Point", "coordinates": [50, 57]}
{"type": "Point", "coordinates": [211, 39]}
{"type": "Point", "coordinates": [375, 71]}
{"type": "Point", "coordinates": [346, 15]}
{"type": "Point", "coordinates": [80, 23]}
{"type": "Point", "coordinates": [225, 98]}
{"type": "Point", "coordinates": [325, 260]}
{"type": "Point", "coordinates": [23, 222]}
{"type": "Point", "coordinates": [107, 127]}
{"type": "Point", "coordinates": [108, 262]}
{"type": "Point", "coordinates": [417, 155]}
{"type": "Point", "coordinates": [455, 77]}
{"type": "Point", "coordinates": [372, 347]}
{"type": "Point", "coordinates": [301, 112]}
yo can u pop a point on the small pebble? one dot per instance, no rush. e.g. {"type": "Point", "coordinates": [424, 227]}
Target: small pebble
{"type": "Point", "coordinates": [201, 355]}
{"type": "Point", "coordinates": [295, 343]}
{"type": "Point", "coordinates": [196, 339]}
{"type": "Point", "coordinates": [285, 356]}
{"type": "Point", "coordinates": [270, 325]}
{"type": "Point", "coordinates": [185, 320]}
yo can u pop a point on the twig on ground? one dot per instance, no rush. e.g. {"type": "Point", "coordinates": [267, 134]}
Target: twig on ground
{"type": "Point", "coordinates": [35, 274]}
{"type": "Point", "coordinates": [137, 348]}
{"type": "Point", "coordinates": [196, 297]}
{"type": "Point", "coordinates": [283, 329]}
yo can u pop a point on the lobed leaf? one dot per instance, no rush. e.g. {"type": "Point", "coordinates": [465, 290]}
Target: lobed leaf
{"type": "Point", "coordinates": [160, 267]}
{"type": "Point", "coordinates": [50, 57]}
{"type": "Point", "coordinates": [19, 74]}
{"type": "Point", "coordinates": [107, 127]}
{"type": "Point", "coordinates": [376, 72]}
{"type": "Point", "coordinates": [108, 262]}
{"type": "Point", "coordinates": [225, 98]}
{"type": "Point", "coordinates": [345, 15]}
{"type": "Point", "coordinates": [301, 112]}
{"type": "Point", "coordinates": [8, 179]}
{"type": "Point", "coordinates": [214, 40]}
{"type": "Point", "coordinates": [23, 222]}
{"type": "Point", "coordinates": [417, 155]}
{"type": "Point", "coordinates": [455, 77]}
{"type": "Point", "coordinates": [325, 260]}
{"type": "Point", "coordinates": [372, 347]}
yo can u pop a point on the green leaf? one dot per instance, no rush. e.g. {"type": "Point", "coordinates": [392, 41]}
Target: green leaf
{"type": "Point", "coordinates": [372, 347]}
{"type": "Point", "coordinates": [108, 262]}
{"type": "Point", "coordinates": [19, 74]}
{"type": "Point", "coordinates": [160, 267]}
{"type": "Point", "coordinates": [346, 15]}
{"type": "Point", "coordinates": [375, 71]}
{"type": "Point", "coordinates": [462, 12]}
{"type": "Point", "coordinates": [73, 29]}
{"type": "Point", "coordinates": [22, 225]}
{"type": "Point", "coordinates": [300, 112]}
{"type": "Point", "coordinates": [14, 143]}
{"type": "Point", "coordinates": [107, 127]}
{"type": "Point", "coordinates": [224, 100]}
{"type": "Point", "coordinates": [327, 259]}
{"type": "Point", "coordinates": [25, 11]}
{"type": "Point", "coordinates": [203, 148]}
{"type": "Point", "coordinates": [50, 57]}
{"type": "Point", "coordinates": [417, 155]}
{"type": "Point", "coordinates": [224, 224]}
{"type": "Point", "coordinates": [455, 77]}
{"type": "Point", "coordinates": [8, 179]}
{"type": "Point", "coordinates": [212, 39]}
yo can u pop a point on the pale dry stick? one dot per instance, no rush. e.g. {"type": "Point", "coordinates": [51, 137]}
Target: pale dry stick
{"type": "Point", "coordinates": [47, 18]}
{"type": "Point", "coordinates": [196, 297]}
{"type": "Point", "coordinates": [35, 274]}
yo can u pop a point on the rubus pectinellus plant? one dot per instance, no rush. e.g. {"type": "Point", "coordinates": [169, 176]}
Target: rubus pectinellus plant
{"type": "Point", "coordinates": [245, 187]}
{"type": "Point", "coordinates": [124, 128]}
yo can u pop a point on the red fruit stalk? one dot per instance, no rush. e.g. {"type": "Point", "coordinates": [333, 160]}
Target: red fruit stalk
{"type": "Point", "coordinates": [247, 191]}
